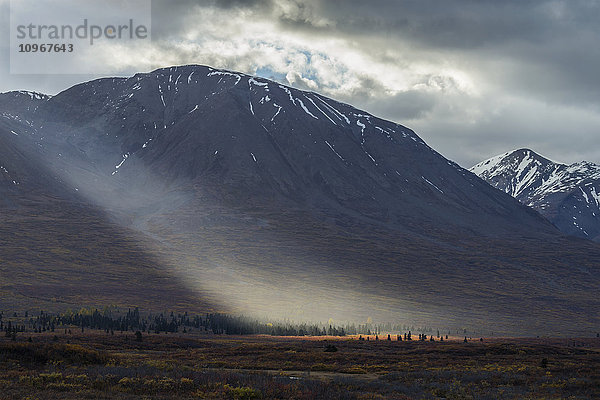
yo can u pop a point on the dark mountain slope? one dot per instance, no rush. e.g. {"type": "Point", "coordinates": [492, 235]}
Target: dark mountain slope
{"type": "Point", "coordinates": [251, 138]}
{"type": "Point", "coordinates": [58, 251]}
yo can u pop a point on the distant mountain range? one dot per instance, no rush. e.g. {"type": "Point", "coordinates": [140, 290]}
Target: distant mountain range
{"type": "Point", "coordinates": [568, 195]}
{"type": "Point", "coordinates": [197, 188]}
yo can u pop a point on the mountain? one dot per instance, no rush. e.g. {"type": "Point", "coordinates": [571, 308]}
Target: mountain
{"type": "Point", "coordinates": [264, 199]}
{"type": "Point", "coordinates": [251, 138]}
{"type": "Point", "coordinates": [568, 195]}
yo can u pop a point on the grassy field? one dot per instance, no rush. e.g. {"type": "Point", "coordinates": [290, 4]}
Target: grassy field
{"type": "Point", "coordinates": [97, 365]}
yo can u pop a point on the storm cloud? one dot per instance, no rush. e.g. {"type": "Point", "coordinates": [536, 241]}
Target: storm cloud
{"type": "Point", "coordinates": [473, 78]}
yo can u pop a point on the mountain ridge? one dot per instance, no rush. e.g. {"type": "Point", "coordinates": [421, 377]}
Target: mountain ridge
{"type": "Point", "coordinates": [568, 195]}
{"type": "Point", "coordinates": [353, 144]}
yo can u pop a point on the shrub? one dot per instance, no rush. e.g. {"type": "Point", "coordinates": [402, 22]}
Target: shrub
{"type": "Point", "coordinates": [33, 353]}
{"type": "Point", "coordinates": [243, 393]}
{"type": "Point", "coordinates": [322, 367]}
{"type": "Point", "coordinates": [330, 348]}
{"type": "Point", "coordinates": [354, 370]}
{"type": "Point", "coordinates": [186, 384]}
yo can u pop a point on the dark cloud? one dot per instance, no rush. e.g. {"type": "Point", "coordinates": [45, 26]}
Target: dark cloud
{"type": "Point", "coordinates": [174, 17]}
{"type": "Point", "coordinates": [181, 6]}
{"type": "Point", "coordinates": [543, 51]}
{"type": "Point", "coordinates": [461, 23]}
{"type": "Point", "coordinates": [399, 106]}
{"type": "Point", "coordinates": [242, 3]}
{"type": "Point", "coordinates": [564, 135]}
{"type": "Point", "coordinates": [551, 44]}
{"type": "Point", "coordinates": [403, 106]}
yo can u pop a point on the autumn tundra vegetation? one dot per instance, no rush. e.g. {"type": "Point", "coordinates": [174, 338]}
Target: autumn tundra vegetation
{"type": "Point", "coordinates": [106, 354]}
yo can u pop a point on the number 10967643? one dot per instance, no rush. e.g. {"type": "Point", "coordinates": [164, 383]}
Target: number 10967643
{"type": "Point", "coordinates": [46, 48]}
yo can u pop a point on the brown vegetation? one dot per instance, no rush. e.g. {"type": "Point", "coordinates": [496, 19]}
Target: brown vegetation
{"type": "Point", "coordinates": [99, 365]}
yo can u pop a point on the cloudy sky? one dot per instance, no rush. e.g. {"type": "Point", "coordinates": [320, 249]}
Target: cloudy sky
{"type": "Point", "coordinates": [473, 78]}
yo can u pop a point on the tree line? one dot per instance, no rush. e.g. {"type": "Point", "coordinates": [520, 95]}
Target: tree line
{"type": "Point", "coordinates": [133, 320]}
{"type": "Point", "coordinates": [110, 320]}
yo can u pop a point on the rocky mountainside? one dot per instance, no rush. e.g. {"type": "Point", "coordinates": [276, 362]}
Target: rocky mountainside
{"type": "Point", "coordinates": [265, 199]}
{"type": "Point", "coordinates": [568, 195]}
{"type": "Point", "coordinates": [251, 138]}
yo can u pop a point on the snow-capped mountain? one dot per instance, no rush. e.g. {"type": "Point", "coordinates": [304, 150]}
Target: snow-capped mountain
{"type": "Point", "coordinates": [257, 138]}
{"type": "Point", "coordinates": [568, 195]}
{"type": "Point", "coordinates": [255, 194]}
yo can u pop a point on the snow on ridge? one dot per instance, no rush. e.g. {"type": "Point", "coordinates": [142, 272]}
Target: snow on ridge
{"type": "Point", "coordinates": [362, 126]}
{"type": "Point", "coordinates": [524, 164]}
{"type": "Point", "coordinates": [312, 103]}
{"type": "Point", "coordinates": [160, 92]}
{"type": "Point", "coordinates": [289, 93]}
{"type": "Point", "coordinates": [585, 168]}
{"type": "Point", "coordinates": [492, 163]}
{"type": "Point", "coordinates": [334, 110]}
{"type": "Point", "coordinates": [332, 149]}
{"type": "Point", "coordinates": [278, 111]}
{"type": "Point", "coordinates": [370, 156]}
{"type": "Point", "coordinates": [585, 196]}
{"type": "Point", "coordinates": [252, 81]}
{"type": "Point", "coordinates": [428, 181]}
{"type": "Point", "coordinates": [35, 95]}
{"type": "Point", "coordinates": [306, 109]}
{"type": "Point", "coordinates": [3, 169]}
{"type": "Point", "coordinates": [295, 99]}
{"type": "Point", "coordinates": [488, 165]}
{"type": "Point", "coordinates": [595, 196]}
{"type": "Point", "coordinates": [318, 108]}
{"type": "Point", "coordinates": [526, 181]}
{"type": "Point", "coordinates": [125, 157]}
{"type": "Point", "coordinates": [226, 73]}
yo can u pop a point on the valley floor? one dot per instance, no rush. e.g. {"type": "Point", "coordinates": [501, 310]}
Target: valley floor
{"type": "Point", "coordinates": [96, 365]}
